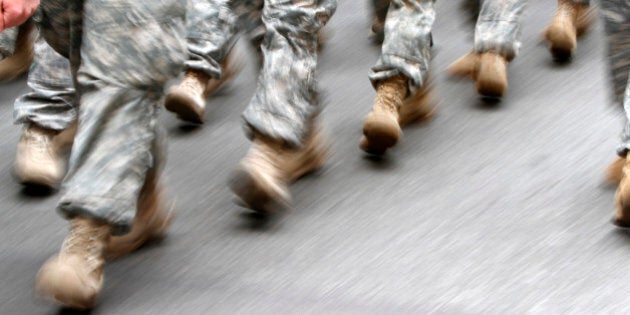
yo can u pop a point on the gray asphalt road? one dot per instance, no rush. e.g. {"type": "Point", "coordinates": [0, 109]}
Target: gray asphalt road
{"type": "Point", "coordinates": [487, 209]}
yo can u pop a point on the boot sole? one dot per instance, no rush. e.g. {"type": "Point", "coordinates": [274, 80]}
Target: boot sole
{"type": "Point", "coordinates": [75, 306]}
{"type": "Point", "coordinates": [36, 181]}
{"type": "Point", "coordinates": [181, 105]}
{"type": "Point", "coordinates": [561, 44]}
{"type": "Point", "coordinates": [251, 190]}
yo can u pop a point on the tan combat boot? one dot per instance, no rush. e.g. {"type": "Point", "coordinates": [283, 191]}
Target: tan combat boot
{"type": "Point", "coordinates": [40, 158]}
{"type": "Point", "coordinates": [488, 69]}
{"type": "Point", "coordinates": [419, 107]}
{"type": "Point", "coordinates": [491, 75]}
{"type": "Point", "coordinates": [74, 277]}
{"type": "Point", "coordinates": [230, 68]}
{"type": "Point", "coordinates": [465, 66]}
{"type": "Point", "coordinates": [622, 198]}
{"type": "Point", "coordinates": [269, 167]}
{"type": "Point", "coordinates": [188, 98]}
{"type": "Point", "coordinates": [22, 58]}
{"type": "Point", "coordinates": [381, 129]}
{"type": "Point", "coordinates": [570, 20]}
{"type": "Point", "coordinates": [150, 224]}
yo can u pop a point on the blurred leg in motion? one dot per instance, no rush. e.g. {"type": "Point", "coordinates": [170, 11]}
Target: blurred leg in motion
{"type": "Point", "coordinates": [616, 16]}
{"type": "Point", "coordinates": [212, 32]}
{"type": "Point", "coordinates": [622, 197]}
{"type": "Point", "coordinates": [281, 117]}
{"type": "Point", "coordinates": [16, 50]}
{"type": "Point", "coordinates": [121, 54]}
{"type": "Point", "coordinates": [496, 44]}
{"type": "Point", "coordinates": [571, 20]}
{"type": "Point", "coordinates": [400, 76]}
{"type": "Point", "coordinates": [48, 115]}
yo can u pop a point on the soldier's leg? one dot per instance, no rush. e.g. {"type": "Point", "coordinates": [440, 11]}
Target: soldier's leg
{"type": "Point", "coordinates": [571, 20]}
{"type": "Point", "coordinates": [211, 34]}
{"type": "Point", "coordinates": [126, 52]}
{"type": "Point", "coordinates": [622, 197]}
{"type": "Point", "coordinates": [496, 44]}
{"type": "Point", "coordinates": [400, 74]}
{"type": "Point", "coordinates": [48, 114]}
{"type": "Point", "coordinates": [281, 115]}
{"type": "Point", "coordinates": [616, 16]}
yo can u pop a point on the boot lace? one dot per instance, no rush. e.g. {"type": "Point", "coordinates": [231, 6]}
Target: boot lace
{"type": "Point", "coordinates": [389, 95]}
{"type": "Point", "coordinates": [87, 241]}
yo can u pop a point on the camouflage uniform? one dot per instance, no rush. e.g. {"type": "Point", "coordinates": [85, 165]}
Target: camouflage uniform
{"type": "Point", "coordinates": [406, 47]}
{"type": "Point", "coordinates": [286, 93]}
{"type": "Point", "coordinates": [121, 53]}
{"type": "Point", "coordinates": [498, 26]}
{"type": "Point", "coordinates": [52, 102]}
{"type": "Point", "coordinates": [286, 97]}
{"type": "Point", "coordinates": [616, 15]}
{"type": "Point", "coordinates": [213, 27]}
{"type": "Point", "coordinates": [8, 38]}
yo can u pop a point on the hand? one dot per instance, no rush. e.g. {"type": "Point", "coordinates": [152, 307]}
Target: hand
{"type": "Point", "coordinates": [16, 12]}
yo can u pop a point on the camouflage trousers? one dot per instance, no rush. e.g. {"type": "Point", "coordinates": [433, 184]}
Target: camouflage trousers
{"type": "Point", "coordinates": [8, 39]}
{"type": "Point", "coordinates": [406, 47]}
{"type": "Point", "coordinates": [498, 27]}
{"type": "Point", "coordinates": [121, 54]}
{"type": "Point", "coordinates": [616, 16]}
{"type": "Point", "coordinates": [286, 96]}
{"type": "Point", "coordinates": [213, 26]}
{"type": "Point", "coordinates": [52, 102]}
{"type": "Point", "coordinates": [286, 93]}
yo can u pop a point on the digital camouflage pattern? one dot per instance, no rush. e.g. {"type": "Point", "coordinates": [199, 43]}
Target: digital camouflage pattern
{"type": "Point", "coordinates": [213, 27]}
{"type": "Point", "coordinates": [406, 47]}
{"type": "Point", "coordinates": [286, 97]}
{"type": "Point", "coordinates": [498, 27]}
{"type": "Point", "coordinates": [52, 102]}
{"type": "Point", "coordinates": [8, 39]}
{"type": "Point", "coordinates": [121, 53]}
{"type": "Point", "coordinates": [616, 16]}
{"type": "Point", "coordinates": [287, 32]}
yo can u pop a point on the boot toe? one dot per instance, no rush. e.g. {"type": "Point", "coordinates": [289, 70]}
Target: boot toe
{"type": "Point", "coordinates": [562, 42]}
{"type": "Point", "coordinates": [187, 107]}
{"type": "Point", "coordinates": [62, 282]}
{"type": "Point", "coordinates": [380, 133]}
{"type": "Point", "coordinates": [259, 193]}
